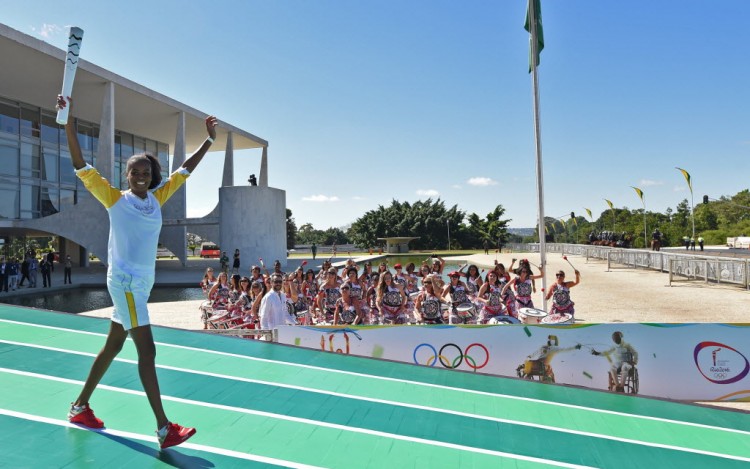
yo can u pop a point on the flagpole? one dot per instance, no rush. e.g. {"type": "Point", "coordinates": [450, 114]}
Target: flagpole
{"type": "Point", "coordinates": [538, 142]}
{"type": "Point", "coordinates": [692, 212]}
{"type": "Point", "coordinates": [688, 179]}
{"type": "Point", "coordinates": [643, 201]}
{"type": "Point", "coordinates": [645, 239]}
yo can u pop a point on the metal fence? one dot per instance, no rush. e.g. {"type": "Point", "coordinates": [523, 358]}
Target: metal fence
{"type": "Point", "coordinates": [677, 265]}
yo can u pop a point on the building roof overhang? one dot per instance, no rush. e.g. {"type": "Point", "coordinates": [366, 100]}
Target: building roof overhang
{"type": "Point", "coordinates": [32, 72]}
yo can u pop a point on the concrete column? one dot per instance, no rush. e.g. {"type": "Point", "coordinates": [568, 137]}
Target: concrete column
{"type": "Point", "coordinates": [263, 179]}
{"type": "Point", "coordinates": [175, 237]}
{"type": "Point", "coordinates": [105, 156]}
{"type": "Point", "coordinates": [228, 178]}
{"type": "Point", "coordinates": [178, 153]}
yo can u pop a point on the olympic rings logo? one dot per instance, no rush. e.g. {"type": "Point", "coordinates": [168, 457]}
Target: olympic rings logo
{"type": "Point", "coordinates": [452, 350]}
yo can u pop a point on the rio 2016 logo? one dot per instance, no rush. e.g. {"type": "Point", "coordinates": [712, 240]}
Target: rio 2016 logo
{"type": "Point", "coordinates": [720, 363]}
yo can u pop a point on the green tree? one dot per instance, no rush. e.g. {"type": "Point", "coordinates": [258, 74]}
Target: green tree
{"type": "Point", "coordinates": [307, 234]}
{"type": "Point", "coordinates": [335, 236]}
{"type": "Point", "coordinates": [682, 219]}
{"type": "Point", "coordinates": [490, 228]}
{"type": "Point", "coordinates": [428, 220]}
{"type": "Point", "coordinates": [193, 242]}
{"type": "Point", "coordinates": [291, 230]}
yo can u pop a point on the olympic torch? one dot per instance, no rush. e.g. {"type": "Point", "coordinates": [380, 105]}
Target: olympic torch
{"type": "Point", "coordinates": [71, 65]}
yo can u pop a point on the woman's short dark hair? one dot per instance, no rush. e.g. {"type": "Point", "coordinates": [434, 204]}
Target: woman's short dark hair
{"type": "Point", "coordinates": [155, 167]}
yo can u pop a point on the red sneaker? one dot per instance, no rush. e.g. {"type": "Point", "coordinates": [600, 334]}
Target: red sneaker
{"type": "Point", "coordinates": [174, 435]}
{"type": "Point", "coordinates": [83, 415]}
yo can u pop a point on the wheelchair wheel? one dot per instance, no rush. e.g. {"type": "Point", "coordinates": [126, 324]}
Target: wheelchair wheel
{"type": "Point", "coordinates": [631, 385]}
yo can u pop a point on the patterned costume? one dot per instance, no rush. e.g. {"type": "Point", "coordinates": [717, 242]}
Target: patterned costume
{"type": "Point", "coordinates": [523, 293]}
{"type": "Point", "coordinates": [331, 295]}
{"type": "Point", "coordinates": [347, 312]}
{"type": "Point", "coordinates": [509, 299]}
{"type": "Point", "coordinates": [494, 305]}
{"type": "Point", "coordinates": [561, 300]}
{"type": "Point", "coordinates": [392, 306]}
{"type": "Point", "coordinates": [431, 310]}
{"type": "Point", "coordinates": [460, 297]}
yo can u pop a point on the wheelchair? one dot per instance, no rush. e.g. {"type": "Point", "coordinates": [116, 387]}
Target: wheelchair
{"type": "Point", "coordinates": [536, 370]}
{"type": "Point", "coordinates": [631, 381]}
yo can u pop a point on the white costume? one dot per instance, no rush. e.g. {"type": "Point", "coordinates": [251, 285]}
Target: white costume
{"type": "Point", "coordinates": [273, 311]}
{"type": "Point", "coordinates": [134, 226]}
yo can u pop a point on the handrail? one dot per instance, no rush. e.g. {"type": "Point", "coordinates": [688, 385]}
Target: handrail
{"type": "Point", "coordinates": [693, 266]}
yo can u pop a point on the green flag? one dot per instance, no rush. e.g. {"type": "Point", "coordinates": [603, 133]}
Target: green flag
{"type": "Point", "coordinates": [609, 202]}
{"type": "Point", "coordinates": [639, 192]}
{"type": "Point", "coordinates": [687, 178]}
{"type": "Point", "coordinates": [589, 212]}
{"type": "Point", "coordinates": [537, 13]}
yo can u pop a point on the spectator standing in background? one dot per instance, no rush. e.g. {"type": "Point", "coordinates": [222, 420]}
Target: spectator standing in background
{"type": "Point", "coordinates": [24, 270]}
{"type": "Point", "coordinates": [33, 267]}
{"type": "Point", "coordinates": [45, 268]}
{"type": "Point", "coordinates": [236, 262]}
{"type": "Point", "coordinates": [3, 275]}
{"type": "Point", "coordinates": [13, 268]}
{"type": "Point", "coordinates": [51, 260]}
{"type": "Point", "coordinates": [68, 270]}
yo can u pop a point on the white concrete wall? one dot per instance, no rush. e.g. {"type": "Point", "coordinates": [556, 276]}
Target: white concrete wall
{"type": "Point", "coordinates": [253, 220]}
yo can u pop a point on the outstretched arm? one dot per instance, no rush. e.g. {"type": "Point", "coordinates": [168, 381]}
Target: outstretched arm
{"type": "Point", "coordinates": [70, 132]}
{"type": "Point", "coordinates": [191, 163]}
{"type": "Point", "coordinates": [551, 291]}
{"type": "Point", "coordinates": [578, 280]}
{"type": "Point", "coordinates": [507, 285]}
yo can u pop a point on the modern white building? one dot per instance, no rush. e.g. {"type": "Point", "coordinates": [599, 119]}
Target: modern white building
{"type": "Point", "coordinates": [116, 118]}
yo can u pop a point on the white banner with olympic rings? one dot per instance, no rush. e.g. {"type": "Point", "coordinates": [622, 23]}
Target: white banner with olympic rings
{"type": "Point", "coordinates": [675, 361]}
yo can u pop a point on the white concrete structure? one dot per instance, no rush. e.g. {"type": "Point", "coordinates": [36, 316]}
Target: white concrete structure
{"type": "Point", "coordinates": [397, 244]}
{"type": "Point", "coordinates": [116, 118]}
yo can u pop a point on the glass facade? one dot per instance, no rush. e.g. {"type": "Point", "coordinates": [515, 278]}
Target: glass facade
{"type": "Point", "coordinates": [36, 170]}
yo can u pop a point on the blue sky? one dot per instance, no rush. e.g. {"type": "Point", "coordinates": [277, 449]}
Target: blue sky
{"type": "Point", "coordinates": [365, 102]}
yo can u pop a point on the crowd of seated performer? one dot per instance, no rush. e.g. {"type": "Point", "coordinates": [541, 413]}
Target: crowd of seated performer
{"type": "Point", "coordinates": [362, 295]}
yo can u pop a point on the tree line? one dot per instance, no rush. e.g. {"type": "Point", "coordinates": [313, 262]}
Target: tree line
{"type": "Point", "coordinates": [715, 221]}
{"type": "Point", "coordinates": [431, 221]}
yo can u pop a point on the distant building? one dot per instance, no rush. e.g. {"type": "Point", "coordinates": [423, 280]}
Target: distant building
{"type": "Point", "coordinates": [116, 118]}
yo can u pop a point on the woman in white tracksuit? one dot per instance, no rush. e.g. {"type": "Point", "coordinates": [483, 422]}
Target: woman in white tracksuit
{"type": "Point", "coordinates": [135, 222]}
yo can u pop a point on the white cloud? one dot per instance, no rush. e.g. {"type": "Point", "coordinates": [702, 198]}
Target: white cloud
{"type": "Point", "coordinates": [482, 182]}
{"type": "Point", "coordinates": [321, 198]}
{"type": "Point", "coordinates": [428, 192]}
{"type": "Point", "coordinates": [356, 197]}
{"type": "Point", "coordinates": [456, 186]}
{"type": "Point", "coordinates": [679, 188]}
{"type": "Point", "coordinates": [47, 30]}
{"type": "Point", "coordinates": [650, 182]}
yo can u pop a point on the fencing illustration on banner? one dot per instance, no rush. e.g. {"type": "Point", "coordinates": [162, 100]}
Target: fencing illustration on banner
{"type": "Point", "coordinates": [676, 361]}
